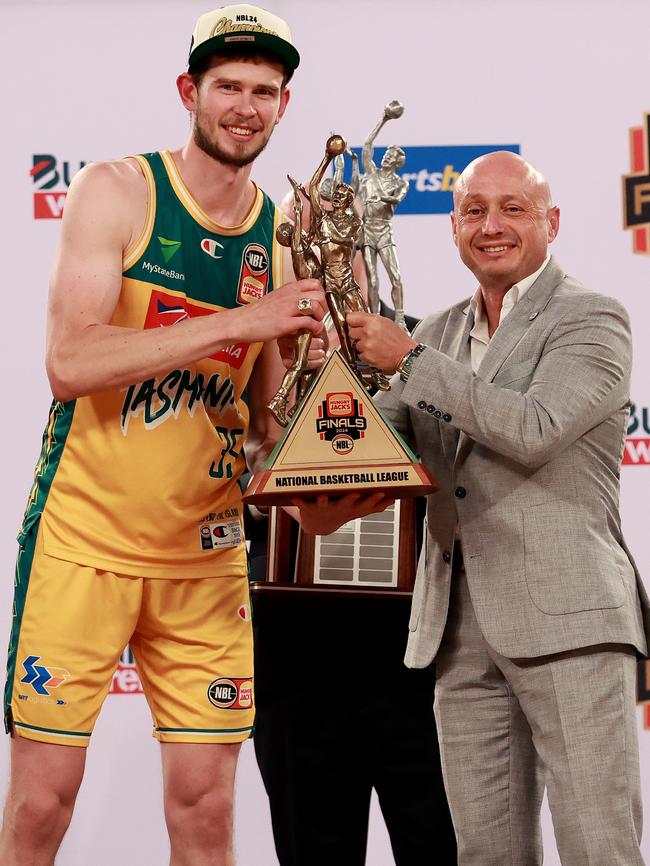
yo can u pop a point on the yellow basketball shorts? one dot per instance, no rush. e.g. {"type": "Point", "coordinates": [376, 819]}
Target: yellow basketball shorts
{"type": "Point", "coordinates": [192, 642]}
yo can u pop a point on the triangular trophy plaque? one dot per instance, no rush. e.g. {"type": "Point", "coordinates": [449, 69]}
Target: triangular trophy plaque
{"type": "Point", "coordinates": [338, 442]}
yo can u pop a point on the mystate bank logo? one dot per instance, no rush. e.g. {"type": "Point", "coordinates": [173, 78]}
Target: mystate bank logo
{"type": "Point", "coordinates": [431, 172]}
{"type": "Point", "coordinates": [636, 188]}
{"type": "Point", "coordinates": [643, 691]}
{"type": "Point", "coordinates": [637, 445]}
{"type": "Point", "coordinates": [51, 177]}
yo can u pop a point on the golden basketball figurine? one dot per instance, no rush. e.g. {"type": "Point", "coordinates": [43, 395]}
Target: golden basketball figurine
{"type": "Point", "coordinates": [335, 233]}
{"type": "Point", "coordinates": [305, 266]}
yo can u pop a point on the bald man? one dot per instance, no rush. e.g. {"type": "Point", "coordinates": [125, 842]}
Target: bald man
{"type": "Point", "coordinates": [517, 399]}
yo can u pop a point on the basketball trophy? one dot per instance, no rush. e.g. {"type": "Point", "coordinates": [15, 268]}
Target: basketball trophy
{"type": "Point", "coordinates": [336, 440]}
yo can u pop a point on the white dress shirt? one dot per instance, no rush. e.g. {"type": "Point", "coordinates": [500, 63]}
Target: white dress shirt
{"type": "Point", "coordinates": [479, 335]}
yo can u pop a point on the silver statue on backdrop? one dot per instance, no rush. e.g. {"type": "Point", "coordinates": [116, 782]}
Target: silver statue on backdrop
{"type": "Point", "coordinates": [381, 190]}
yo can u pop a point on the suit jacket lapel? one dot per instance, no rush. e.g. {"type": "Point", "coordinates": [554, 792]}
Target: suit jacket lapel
{"type": "Point", "coordinates": [519, 319]}
{"type": "Point", "coordinates": [506, 336]}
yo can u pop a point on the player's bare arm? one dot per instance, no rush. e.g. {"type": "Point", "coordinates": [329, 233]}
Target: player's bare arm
{"type": "Point", "coordinates": [105, 213]}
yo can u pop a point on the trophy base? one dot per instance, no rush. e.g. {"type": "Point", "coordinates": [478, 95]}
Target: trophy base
{"type": "Point", "coordinates": [338, 442]}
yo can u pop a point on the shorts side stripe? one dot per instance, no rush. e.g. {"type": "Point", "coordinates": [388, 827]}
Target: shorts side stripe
{"type": "Point", "coordinates": [52, 730]}
{"type": "Point", "coordinates": [54, 439]}
{"type": "Point", "coordinates": [21, 583]}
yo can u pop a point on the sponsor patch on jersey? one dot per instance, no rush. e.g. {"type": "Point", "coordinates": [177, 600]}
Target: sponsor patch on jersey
{"type": "Point", "coordinates": [244, 612]}
{"type": "Point", "coordinates": [212, 248]}
{"type": "Point", "coordinates": [167, 309]}
{"type": "Point", "coordinates": [254, 274]}
{"type": "Point", "coordinates": [218, 536]}
{"type": "Point", "coordinates": [231, 693]}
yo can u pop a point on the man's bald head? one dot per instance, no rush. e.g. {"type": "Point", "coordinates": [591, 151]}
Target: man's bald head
{"type": "Point", "coordinates": [503, 219]}
{"type": "Point", "coordinates": [503, 163]}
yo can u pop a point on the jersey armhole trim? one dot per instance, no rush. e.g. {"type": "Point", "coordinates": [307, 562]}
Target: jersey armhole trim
{"type": "Point", "coordinates": [133, 252]}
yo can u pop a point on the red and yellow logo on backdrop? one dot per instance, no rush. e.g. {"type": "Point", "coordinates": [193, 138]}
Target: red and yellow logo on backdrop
{"type": "Point", "coordinates": [636, 188]}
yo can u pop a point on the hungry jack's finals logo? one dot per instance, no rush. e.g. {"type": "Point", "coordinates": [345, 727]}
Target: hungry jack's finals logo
{"type": "Point", "coordinates": [636, 188]}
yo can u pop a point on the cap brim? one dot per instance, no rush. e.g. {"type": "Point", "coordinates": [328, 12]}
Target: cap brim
{"type": "Point", "coordinates": [247, 43]}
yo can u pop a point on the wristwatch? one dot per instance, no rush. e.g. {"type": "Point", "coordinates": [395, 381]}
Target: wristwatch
{"type": "Point", "coordinates": [404, 366]}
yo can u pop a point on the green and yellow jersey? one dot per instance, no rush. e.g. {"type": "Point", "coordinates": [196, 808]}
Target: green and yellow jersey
{"type": "Point", "coordinates": [143, 480]}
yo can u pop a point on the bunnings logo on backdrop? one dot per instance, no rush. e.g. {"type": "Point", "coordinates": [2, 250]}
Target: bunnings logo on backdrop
{"type": "Point", "coordinates": [125, 679]}
{"type": "Point", "coordinates": [636, 188]}
{"type": "Point", "coordinates": [637, 444]}
{"type": "Point", "coordinates": [51, 177]}
{"type": "Point", "coordinates": [431, 173]}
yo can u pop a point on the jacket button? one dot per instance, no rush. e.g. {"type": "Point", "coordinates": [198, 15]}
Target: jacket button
{"type": "Point", "coordinates": [446, 556]}
{"type": "Point", "coordinates": [460, 493]}
{"type": "Point", "coordinates": [422, 404]}
{"type": "Point", "coordinates": [438, 413]}
{"type": "Point", "coordinates": [431, 409]}
{"type": "Point", "coordinates": [446, 417]}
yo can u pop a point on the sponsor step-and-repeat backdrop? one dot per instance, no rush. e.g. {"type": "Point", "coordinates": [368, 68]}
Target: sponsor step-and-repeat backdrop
{"type": "Point", "coordinates": [496, 77]}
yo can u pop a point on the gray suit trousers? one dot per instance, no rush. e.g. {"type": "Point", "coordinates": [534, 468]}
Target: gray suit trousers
{"type": "Point", "coordinates": [509, 727]}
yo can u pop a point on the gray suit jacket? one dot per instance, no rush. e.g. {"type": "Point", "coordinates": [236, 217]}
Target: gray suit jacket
{"type": "Point", "coordinates": [527, 456]}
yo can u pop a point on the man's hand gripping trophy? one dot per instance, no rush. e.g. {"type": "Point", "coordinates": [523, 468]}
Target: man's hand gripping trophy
{"type": "Point", "coordinates": [335, 232]}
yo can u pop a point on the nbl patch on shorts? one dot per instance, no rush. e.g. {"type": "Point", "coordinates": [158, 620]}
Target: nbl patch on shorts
{"type": "Point", "coordinates": [254, 274]}
{"type": "Point", "coordinates": [231, 693]}
{"type": "Point", "coordinates": [218, 536]}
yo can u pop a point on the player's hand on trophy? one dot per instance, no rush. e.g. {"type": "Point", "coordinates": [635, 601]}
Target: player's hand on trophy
{"type": "Point", "coordinates": [327, 513]}
{"type": "Point", "coordinates": [378, 341]}
{"type": "Point", "coordinates": [293, 307]}
{"type": "Point", "coordinates": [315, 357]}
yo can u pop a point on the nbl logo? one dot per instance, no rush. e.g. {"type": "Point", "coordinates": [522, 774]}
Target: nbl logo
{"type": "Point", "coordinates": [231, 693]}
{"type": "Point", "coordinates": [51, 179]}
{"type": "Point", "coordinates": [254, 274]}
{"type": "Point", "coordinates": [341, 421]}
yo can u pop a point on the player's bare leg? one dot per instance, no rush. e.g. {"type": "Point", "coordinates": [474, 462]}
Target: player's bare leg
{"type": "Point", "coordinates": [45, 779]}
{"type": "Point", "coordinates": [199, 781]}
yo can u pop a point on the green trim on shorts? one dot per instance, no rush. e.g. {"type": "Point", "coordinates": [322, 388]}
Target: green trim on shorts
{"type": "Point", "coordinates": [54, 439]}
{"type": "Point", "coordinates": [203, 730]}
{"type": "Point", "coordinates": [51, 730]}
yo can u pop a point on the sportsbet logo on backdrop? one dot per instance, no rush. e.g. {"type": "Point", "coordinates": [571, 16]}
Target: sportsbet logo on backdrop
{"type": "Point", "coordinates": [637, 444]}
{"type": "Point", "coordinates": [431, 173]}
{"type": "Point", "coordinates": [51, 177]}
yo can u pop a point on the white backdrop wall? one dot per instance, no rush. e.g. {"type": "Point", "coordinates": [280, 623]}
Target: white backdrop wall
{"type": "Point", "coordinates": [86, 81]}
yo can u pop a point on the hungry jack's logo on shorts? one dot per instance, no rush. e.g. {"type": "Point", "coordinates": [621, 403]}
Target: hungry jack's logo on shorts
{"type": "Point", "coordinates": [51, 178]}
{"type": "Point", "coordinates": [636, 188]}
{"type": "Point", "coordinates": [231, 693]}
{"type": "Point", "coordinates": [637, 445]}
{"type": "Point", "coordinates": [341, 421]}
{"type": "Point", "coordinates": [254, 274]}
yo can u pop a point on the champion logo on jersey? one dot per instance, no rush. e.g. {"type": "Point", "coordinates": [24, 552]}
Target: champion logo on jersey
{"type": "Point", "coordinates": [211, 247]}
{"type": "Point", "coordinates": [244, 612]}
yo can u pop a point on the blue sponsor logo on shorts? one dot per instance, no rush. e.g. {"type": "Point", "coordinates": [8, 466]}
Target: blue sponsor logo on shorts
{"type": "Point", "coordinates": [431, 172]}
